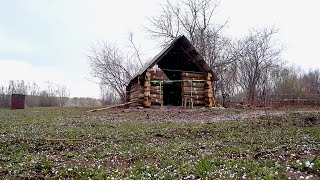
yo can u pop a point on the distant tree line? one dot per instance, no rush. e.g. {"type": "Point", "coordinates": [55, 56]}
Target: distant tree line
{"type": "Point", "coordinates": [50, 96]}
{"type": "Point", "coordinates": [250, 68]}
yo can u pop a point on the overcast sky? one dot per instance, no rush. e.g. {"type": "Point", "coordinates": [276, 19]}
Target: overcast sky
{"type": "Point", "coordinates": [45, 40]}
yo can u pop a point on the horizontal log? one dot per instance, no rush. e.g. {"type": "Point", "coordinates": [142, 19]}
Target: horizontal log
{"type": "Point", "coordinates": [147, 89]}
{"type": "Point", "coordinates": [209, 75]}
{"type": "Point", "coordinates": [139, 95]}
{"type": "Point", "coordinates": [157, 83]}
{"type": "Point", "coordinates": [198, 102]}
{"type": "Point", "coordinates": [208, 95]}
{"type": "Point", "coordinates": [147, 84]}
{"type": "Point", "coordinates": [140, 89]}
{"type": "Point", "coordinates": [153, 88]}
{"type": "Point", "coordinates": [157, 73]}
{"type": "Point", "coordinates": [156, 96]}
{"type": "Point", "coordinates": [132, 96]}
{"type": "Point", "coordinates": [146, 93]}
{"type": "Point", "coordinates": [135, 88]}
{"type": "Point", "coordinates": [156, 101]}
{"type": "Point", "coordinates": [148, 78]}
{"type": "Point", "coordinates": [140, 101]}
{"type": "Point", "coordinates": [210, 104]}
{"type": "Point", "coordinates": [136, 92]}
{"type": "Point", "coordinates": [133, 104]}
{"type": "Point", "coordinates": [190, 78]}
{"type": "Point", "coordinates": [208, 90]}
{"type": "Point", "coordinates": [193, 92]}
{"type": "Point", "coordinates": [208, 83]}
{"type": "Point", "coordinates": [136, 100]}
{"type": "Point", "coordinates": [192, 89]}
{"type": "Point", "coordinates": [196, 96]}
{"type": "Point", "coordinates": [194, 84]}
{"type": "Point", "coordinates": [156, 92]}
{"type": "Point", "coordinates": [154, 77]}
{"type": "Point", "coordinates": [135, 85]}
{"type": "Point", "coordinates": [148, 74]}
{"type": "Point", "coordinates": [147, 103]}
{"type": "Point", "coordinates": [208, 99]}
{"type": "Point", "coordinates": [193, 75]}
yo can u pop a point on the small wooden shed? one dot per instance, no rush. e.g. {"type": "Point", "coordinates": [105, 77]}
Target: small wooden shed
{"type": "Point", "coordinates": [178, 75]}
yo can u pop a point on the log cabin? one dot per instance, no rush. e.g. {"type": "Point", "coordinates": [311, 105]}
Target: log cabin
{"type": "Point", "coordinates": [178, 75]}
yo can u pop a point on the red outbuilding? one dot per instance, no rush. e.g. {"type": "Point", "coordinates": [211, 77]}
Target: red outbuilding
{"type": "Point", "coordinates": [18, 101]}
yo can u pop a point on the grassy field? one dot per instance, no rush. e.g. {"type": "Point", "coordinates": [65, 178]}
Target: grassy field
{"type": "Point", "coordinates": [69, 143]}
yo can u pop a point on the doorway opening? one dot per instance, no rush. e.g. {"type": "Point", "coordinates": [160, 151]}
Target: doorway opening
{"type": "Point", "coordinates": [172, 93]}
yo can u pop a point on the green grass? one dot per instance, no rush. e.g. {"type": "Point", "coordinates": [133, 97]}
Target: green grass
{"type": "Point", "coordinates": [58, 143]}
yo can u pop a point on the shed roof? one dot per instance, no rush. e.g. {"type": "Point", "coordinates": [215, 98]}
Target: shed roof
{"type": "Point", "coordinates": [179, 55]}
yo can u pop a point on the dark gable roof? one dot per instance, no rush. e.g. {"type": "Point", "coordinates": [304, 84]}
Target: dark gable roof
{"type": "Point", "coordinates": [179, 55]}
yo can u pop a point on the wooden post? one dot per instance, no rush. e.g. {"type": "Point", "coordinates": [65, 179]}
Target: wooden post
{"type": "Point", "coordinates": [156, 88]}
{"type": "Point", "coordinates": [208, 91]}
{"type": "Point", "coordinates": [161, 93]}
{"type": "Point", "coordinates": [147, 85]}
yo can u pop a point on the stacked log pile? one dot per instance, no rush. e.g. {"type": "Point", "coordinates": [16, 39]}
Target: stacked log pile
{"type": "Point", "coordinates": [193, 85]}
{"type": "Point", "coordinates": [156, 90]}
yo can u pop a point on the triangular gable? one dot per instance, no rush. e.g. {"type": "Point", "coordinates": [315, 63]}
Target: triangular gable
{"type": "Point", "coordinates": [179, 55]}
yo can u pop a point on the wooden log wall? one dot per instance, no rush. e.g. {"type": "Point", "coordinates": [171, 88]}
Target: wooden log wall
{"type": "Point", "coordinates": [127, 93]}
{"type": "Point", "coordinates": [209, 98]}
{"type": "Point", "coordinates": [135, 94]}
{"type": "Point", "coordinates": [193, 84]}
{"type": "Point", "coordinates": [151, 92]}
{"type": "Point", "coordinates": [156, 90]}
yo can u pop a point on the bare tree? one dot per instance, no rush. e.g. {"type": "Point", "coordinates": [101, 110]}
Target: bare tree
{"type": "Point", "coordinates": [194, 19]}
{"type": "Point", "coordinates": [63, 94]}
{"type": "Point", "coordinates": [49, 96]}
{"type": "Point", "coordinates": [18, 87]}
{"type": "Point", "coordinates": [107, 97]}
{"type": "Point", "coordinates": [32, 98]}
{"type": "Point", "coordinates": [311, 82]}
{"type": "Point", "coordinates": [287, 82]}
{"type": "Point", "coordinates": [259, 57]}
{"type": "Point", "coordinates": [4, 97]}
{"type": "Point", "coordinates": [111, 67]}
{"type": "Point", "coordinates": [227, 84]}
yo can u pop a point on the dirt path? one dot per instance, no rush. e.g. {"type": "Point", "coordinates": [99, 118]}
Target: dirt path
{"type": "Point", "coordinates": [200, 115]}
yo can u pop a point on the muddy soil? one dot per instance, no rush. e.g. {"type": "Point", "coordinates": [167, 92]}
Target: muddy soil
{"type": "Point", "coordinates": [197, 115]}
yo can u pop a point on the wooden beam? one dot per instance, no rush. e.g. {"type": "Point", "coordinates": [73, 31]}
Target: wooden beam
{"type": "Point", "coordinates": [114, 106]}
